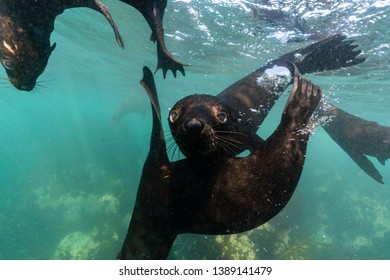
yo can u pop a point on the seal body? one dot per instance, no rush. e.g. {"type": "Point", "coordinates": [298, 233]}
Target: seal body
{"type": "Point", "coordinates": [26, 27]}
{"type": "Point", "coordinates": [153, 12]}
{"type": "Point", "coordinates": [213, 196]}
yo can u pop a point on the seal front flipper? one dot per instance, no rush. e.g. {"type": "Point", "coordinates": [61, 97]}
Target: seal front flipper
{"type": "Point", "coordinates": [150, 234]}
{"type": "Point", "coordinates": [153, 12]}
{"type": "Point", "coordinates": [301, 103]}
{"type": "Point", "coordinates": [328, 54]}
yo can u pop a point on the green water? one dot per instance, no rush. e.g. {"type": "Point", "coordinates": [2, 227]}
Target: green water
{"type": "Point", "coordinates": [69, 173]}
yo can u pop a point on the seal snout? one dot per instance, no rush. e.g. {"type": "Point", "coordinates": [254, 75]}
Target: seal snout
{"type": "Point", "coordinates": [23, 85]}
{"type": "Point", "coordinates": [194, 126]}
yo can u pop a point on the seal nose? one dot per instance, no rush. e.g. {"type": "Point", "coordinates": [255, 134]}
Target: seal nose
{"type": "Point", "coordinates": [194, 126]}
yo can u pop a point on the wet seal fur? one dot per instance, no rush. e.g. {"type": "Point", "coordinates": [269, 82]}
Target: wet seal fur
{"type": "Point", "coordinates": [226, 124]}
{"type": "Point", "coordinates": [210, 196]}
{"type": "Point", "coordinates": [153, 12]}
{"type": "Point", "coordinates": [26, 27]}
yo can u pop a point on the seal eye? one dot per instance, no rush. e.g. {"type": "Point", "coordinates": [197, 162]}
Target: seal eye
{"type": "Point", "coordinates": [8, 64]}
{"type": "Point", "coordinates": [173, 115]}
{"type": "Point", "coordinates": [222, 117]}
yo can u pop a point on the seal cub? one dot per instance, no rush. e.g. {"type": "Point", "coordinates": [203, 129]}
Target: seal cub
{"type": "Point", "coordinates": [210, 196]}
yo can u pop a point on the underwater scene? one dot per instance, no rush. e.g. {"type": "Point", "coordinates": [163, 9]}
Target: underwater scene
{"type": "Point", "coordinates": [73, 147]}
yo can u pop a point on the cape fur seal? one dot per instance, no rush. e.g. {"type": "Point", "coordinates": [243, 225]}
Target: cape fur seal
{"type": "Point", "coordinates": [153, 12]}
{"type": "Point", "coordinates": [210, 196]}
{"type": "Point", "coordinates": [25, 29]}
{"type": "Point", "coordinates": [226, 124]}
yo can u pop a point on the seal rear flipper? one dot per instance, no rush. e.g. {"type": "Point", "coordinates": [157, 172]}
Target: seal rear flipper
{"type": "Point", "coordinates": [97, 6]}
{"type": "Point", "coordinates": [328, 54]}
{"type": "Point", "coordinates": [166, 61]}
{"type": "Point", "coordinates": [364, 163]}
{"type": "Point", "coordinates": [104, 10]}
{"type": "Point", "coordinates": [153, 12]}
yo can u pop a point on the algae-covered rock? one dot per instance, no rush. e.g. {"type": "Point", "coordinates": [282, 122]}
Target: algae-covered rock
{"type": "Point", "coordinates": [236, 247]}
{"type": "Point", "coordinates": [77, 246]}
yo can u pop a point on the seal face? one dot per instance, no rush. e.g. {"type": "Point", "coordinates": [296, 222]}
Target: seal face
{"type": "Point", "coordinates": [26, 27]}
{"type": "Point", "coordinates": [22, 65]}
{"type": "Point", "coordinates": [23, 54]}
{"type": "Point", "coordinates": [203, 125]}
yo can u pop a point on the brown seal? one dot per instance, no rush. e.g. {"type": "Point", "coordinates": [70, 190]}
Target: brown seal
{"type": "Point", "coordinates": [213, 196]}
{"type": "Point", "coordinates": [26, 27]}
{"type": "Point", "coordinates": [226, 124]}
{"type": "Point", "coordinates": [153, 12]}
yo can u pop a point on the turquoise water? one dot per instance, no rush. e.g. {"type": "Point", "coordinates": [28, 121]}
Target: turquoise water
{"type": "Point", "coordinates": [69, 172]}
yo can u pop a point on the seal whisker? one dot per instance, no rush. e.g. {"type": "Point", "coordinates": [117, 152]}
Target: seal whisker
{"type": "Point", "coordinates": [229, 139]}
{"type": "Point", "coordinates": [225, 146]}
{"type": "Point", "coordinates": [230, 144]}
{"type": "Point", "coordinates": [39, 87]}
{"type": "Point", "coordinates": [172, 148]}
{"type": "Point", "coordinates": [176, 152]}
{"type": "Point", "coordinates": [230, 132]}
{"type": "Point", "coordinates": [170, 139]}
{"type": "Point", "coordinates": [5, 81]}
{"type": "Point", "coordinates": [43, 83]}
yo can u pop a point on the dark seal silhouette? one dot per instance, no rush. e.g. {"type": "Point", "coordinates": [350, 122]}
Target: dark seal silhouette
{"type": "Point", "coordinates": [226, 124]}
{"type": "Point", "coordinates": [25, 29]}
{"type": "Point", "coordinates": [213, 196]}
{"type": "Point", "coordinates": [153, 12]}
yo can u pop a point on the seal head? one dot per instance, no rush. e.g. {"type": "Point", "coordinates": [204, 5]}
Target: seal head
{"type": "Point", "coordinates": [203, 125]}
{"type": "Point", "coordinates": [24, 63]}
{"type": "Point", "coordinates": [26, 27]}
